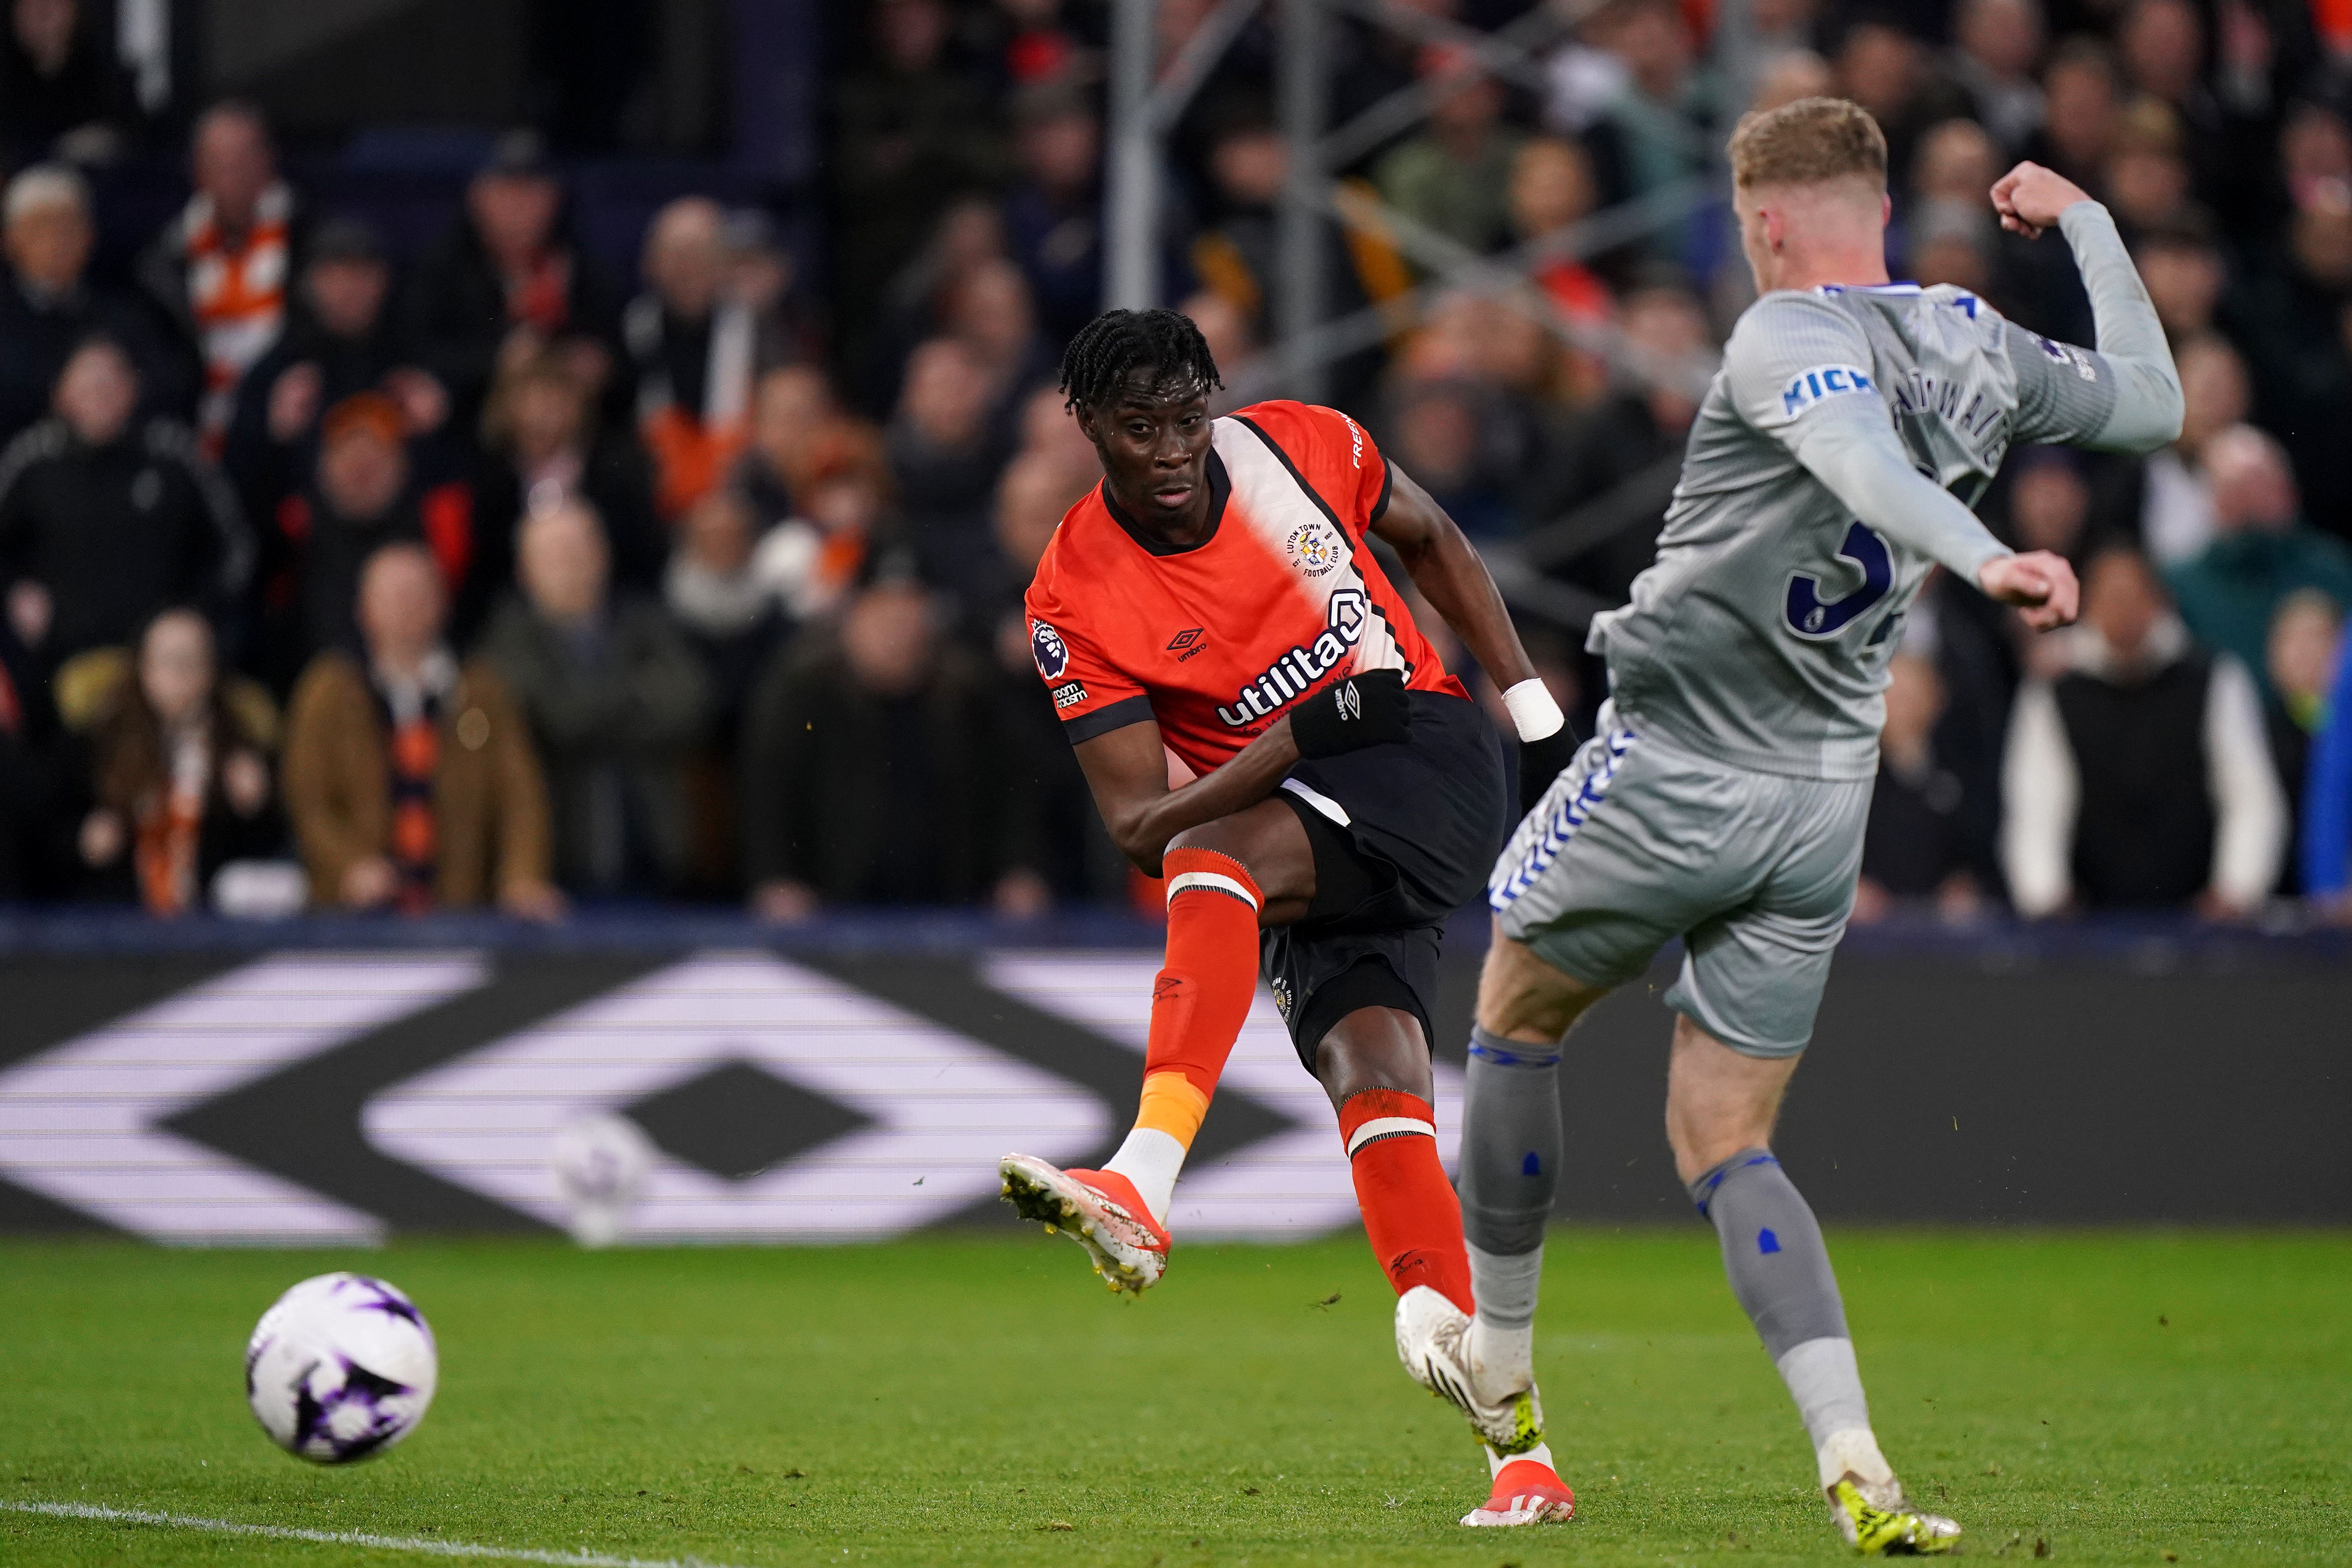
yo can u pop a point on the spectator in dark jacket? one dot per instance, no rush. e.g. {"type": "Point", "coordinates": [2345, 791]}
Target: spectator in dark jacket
{"type": "Point", "coordinates": [34, 862]}
{"type": "Point", "coordinates": [945, 456]}
{"type": "Point", "coordinates": [876, 771]}
{"type": "Point", "coordinates": [1923, 842]}
{"type": "Point", "coordinates": [49, 305]}
{"type": "Point", "coordinates": [1236, 256]}
{"type": "Point", "coordinates": [615, 698]}
{"type": "Point", "coordinates": [1052, 218]}
{"type": "Point", "coordinates": [220, 269]}
{"type": "Point", "coordinates": [340, 342]}
{"type": "Point", "coordinates": [731, 613]}
{"type": "Point", "coordinates": [359, 498]}
{"type": "Point", "coordinates": [104, 520]}
{"type": "Point", "coordinates": [541, 444]}
{"type": "Point", "coordinates": [56, 81]}
{"type": "Point", "coordinates": [179, 782]}
{"type": "Point", "coordinates": [733, 617]}
{"type": "Point", "coordinates": [1997, 43]}
{"type": "Point", "coordinates": [2141, 776]}
{"type": "Point", "coordinates": [2290, 313]}
{"type": "Point", "coordinates": [507, 281]}
{"type": "Point", "coordinates": [914, 130]}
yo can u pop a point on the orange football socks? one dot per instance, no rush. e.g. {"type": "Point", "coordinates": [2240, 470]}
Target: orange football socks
{"type": "Point", "coordinates": [1410, 1216]}
{"type": "Point", "coordinates": [1197, 1005]}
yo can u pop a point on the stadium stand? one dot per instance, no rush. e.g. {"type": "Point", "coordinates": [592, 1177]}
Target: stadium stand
{"type": "Point", "coordinates": [782, 374]}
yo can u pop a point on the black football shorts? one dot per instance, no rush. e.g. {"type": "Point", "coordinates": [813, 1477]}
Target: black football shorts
{"type": "Point", "coordinates": [1405, 835]}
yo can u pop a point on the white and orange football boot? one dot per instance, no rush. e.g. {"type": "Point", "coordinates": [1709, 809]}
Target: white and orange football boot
{"type": "Point", "coordinates": [1099, 1210]}
{"type": "Point", "coordinates": [1435, 1342]}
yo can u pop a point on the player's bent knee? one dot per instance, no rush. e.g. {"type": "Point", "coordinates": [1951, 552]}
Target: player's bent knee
{"type": "Point", "coordinates": [1373, 1047]}
{"type": "Point", "coordinates": [1720, 1099]}
{"type": "Point", "coordinates": [1265, 838]}
{"type": "Point", "coordinates": [1521, 997]}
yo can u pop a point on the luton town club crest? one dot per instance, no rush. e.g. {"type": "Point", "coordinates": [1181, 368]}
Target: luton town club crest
{"type": "Point", "coordinates": [1313, 548]}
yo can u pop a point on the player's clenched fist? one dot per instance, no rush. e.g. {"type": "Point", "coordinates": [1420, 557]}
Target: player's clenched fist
{"type": "Point", "coordinates": [2039, 583]}
{"type": "Point", "coordinates": [1362, 710]}
{"type": "Point", "coordinates": [2030, 198]}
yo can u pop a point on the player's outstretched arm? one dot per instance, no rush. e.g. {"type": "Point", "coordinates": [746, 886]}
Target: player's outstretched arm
{"type": "Point", "coordinates": [2146, 408]}
{"type": "Point", "coordinates": [1863, 463]}
{"type": "Point", "coordinates": [1445, 565]}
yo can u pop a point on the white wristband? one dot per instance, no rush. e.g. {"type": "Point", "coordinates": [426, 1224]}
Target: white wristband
{"type": "Point", "coordinates": [1533, 711]}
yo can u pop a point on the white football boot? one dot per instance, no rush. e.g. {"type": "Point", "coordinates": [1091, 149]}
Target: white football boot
{"type": "Point", "coordinates": [1099, 1210]}
{"type": "Point", "coordinates": [1433, 1341]}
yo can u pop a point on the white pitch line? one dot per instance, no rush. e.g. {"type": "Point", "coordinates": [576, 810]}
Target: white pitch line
{"type": "Point", "coordinates": [347, 1537]}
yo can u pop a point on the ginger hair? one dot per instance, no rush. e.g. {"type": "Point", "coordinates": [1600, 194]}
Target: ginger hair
{"type": "Point", "coordinates": [1806, 143]}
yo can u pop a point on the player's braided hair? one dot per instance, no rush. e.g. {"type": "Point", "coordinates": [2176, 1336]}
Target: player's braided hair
{"type": "Point", "coordinates": [1106, 349]}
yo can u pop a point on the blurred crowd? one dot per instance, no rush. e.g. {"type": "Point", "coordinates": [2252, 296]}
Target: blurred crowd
{"type": "Point", "coordinates": [484, 575]}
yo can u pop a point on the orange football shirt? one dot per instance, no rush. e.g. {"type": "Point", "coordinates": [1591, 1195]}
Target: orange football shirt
{"type": "Point", "coordinates": [1217, 641]}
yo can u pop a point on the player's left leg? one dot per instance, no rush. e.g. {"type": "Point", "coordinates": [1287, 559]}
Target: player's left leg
{"type": "Point", "coordinates": [1750, 987]}
{"type": "Point", "coordinates": [1374, 1064]}
{"type": "Point", "coordinates": [1721, 1104]}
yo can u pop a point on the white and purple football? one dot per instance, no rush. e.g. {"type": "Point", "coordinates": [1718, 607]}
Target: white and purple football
{"type": "Point", "coordinates": [341, 1368]}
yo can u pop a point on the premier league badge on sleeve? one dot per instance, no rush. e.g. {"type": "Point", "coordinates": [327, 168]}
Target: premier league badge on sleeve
{"type": "Point", "coordinates": [1046, 645]}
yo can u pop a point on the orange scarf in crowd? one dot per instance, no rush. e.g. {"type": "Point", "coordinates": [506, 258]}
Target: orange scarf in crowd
{"type": "Point", "coordinates": [692, 454]}
{"type": "Point", "coordinates": [169, 823]}
{"type": "Point", "coordinates": [237, 295]}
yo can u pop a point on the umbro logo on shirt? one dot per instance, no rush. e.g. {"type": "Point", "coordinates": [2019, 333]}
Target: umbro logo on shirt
{"type": "Point", "coordinates": [1187, 643]}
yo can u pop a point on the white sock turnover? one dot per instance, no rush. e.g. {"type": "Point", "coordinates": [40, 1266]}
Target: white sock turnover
{"type": "Point", "coordinates": [1151, 1160]}
{"type": "Point", "coordinates": [1540, 1454]}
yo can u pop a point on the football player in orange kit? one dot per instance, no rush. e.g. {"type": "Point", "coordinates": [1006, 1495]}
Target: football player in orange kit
{"type": "Point", "coordinates": [1216, 596]}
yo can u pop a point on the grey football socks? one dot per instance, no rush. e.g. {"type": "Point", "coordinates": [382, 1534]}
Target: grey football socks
{"type": "Point", "coordinates": [1772, 1249]}
{"type": "Point", "coordinates": [1780, 1270]}
{"type": "Point", "coordinates": [1509, 1170]}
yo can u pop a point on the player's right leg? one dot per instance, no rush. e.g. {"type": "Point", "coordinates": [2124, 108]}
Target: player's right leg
{"type": "Point", "coordinates": [1582, 901]}
{"type": "Point", "coordinates": [1223, 878]}
{"type": "Point", "coordinates": [1509, 1168]}
{"type": "Point", "coordinates": [1721, 1103]}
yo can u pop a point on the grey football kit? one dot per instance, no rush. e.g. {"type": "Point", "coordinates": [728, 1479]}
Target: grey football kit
{"type": "Point", "coordinates": [1831, 466]}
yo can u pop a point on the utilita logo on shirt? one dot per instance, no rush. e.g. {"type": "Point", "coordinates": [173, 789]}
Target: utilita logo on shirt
{"type": "Point", "coordinates": [1295, 672]}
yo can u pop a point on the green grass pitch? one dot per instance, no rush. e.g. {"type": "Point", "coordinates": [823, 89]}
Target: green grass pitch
{"type": "Point", "coordinates": [981, 1399]}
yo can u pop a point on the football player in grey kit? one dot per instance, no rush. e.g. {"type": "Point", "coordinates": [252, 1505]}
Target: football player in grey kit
{"type": "Point", "coordinates": [1722, 801]}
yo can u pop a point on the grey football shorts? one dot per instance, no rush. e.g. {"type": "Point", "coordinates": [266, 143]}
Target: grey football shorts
{"type": "Point", "coordinates": [1638, 843]}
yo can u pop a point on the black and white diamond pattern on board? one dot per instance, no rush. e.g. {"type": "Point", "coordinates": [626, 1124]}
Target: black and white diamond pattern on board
{"type": "Point", "coordinates": [940, 1106]}
{"type": "Point", "coordinates": [736, 1121]}
{"type": "Point", "coordinates": [1283, 1188]}
{"type": "Point", "coordinates": [83, 1121]}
